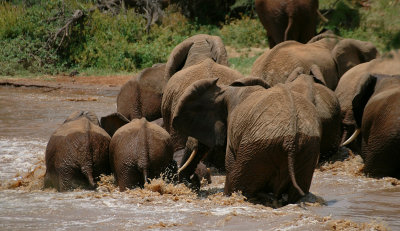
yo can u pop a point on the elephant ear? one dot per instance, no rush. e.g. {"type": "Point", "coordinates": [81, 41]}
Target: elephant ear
{"type": "Point", "coordinates": [177, 58]}
{"type": "Point", "coordinates": [75, 115]}
{"type": "Point", "coordinates": [250, 81]}
{"type": "Point", "coordinates": [112, 122]}
{"type": "Point", "coordinates": [361, 98]}
{"type": "Point", "coordinates": [317, 74]}
{"type": "Point", "coordinates": [350, 52]}
{"type": "Point", "coordinates": [218, 51]}
{"type": "Point", "coordinates": [92, 117]}
{"type": "Point", "coordinates": [199, 113]}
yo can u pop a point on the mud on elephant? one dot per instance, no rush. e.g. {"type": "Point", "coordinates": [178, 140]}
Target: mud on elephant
{"type": "Point", "coordinates": [141, 96]}
{"type": "Point", "coordinates": [350, 85]}
{"type": "Point", "coordinates": [375, 113]}
{"type": "Point", "coordinates": [271, 136]}
{"type": "Point", "coordinates": [77, 153]}
{"type": "Point", "coordinates": [331, 56]}
{"type": "Point", "coordinates": [139, 151]}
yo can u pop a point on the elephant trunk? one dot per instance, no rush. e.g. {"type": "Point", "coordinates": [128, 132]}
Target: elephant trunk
{"type": "Point", "coordinates": [352, 137]}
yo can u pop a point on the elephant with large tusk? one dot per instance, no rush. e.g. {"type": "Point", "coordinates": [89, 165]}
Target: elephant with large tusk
{"type": "Point", "coordinates": [369, 95]}
{"type": "Point", "coordinates": [271, 136]}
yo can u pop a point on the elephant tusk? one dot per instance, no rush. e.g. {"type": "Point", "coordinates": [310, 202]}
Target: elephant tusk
{"type": "Point", "coordinates": [188, 161]}
{"type": "Point", "coordinates": [352, 137]}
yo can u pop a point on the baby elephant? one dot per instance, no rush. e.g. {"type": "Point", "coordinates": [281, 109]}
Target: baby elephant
{"type": "Point", "coordinates": [77, 153]}
{"type": "Point", "coordinates": [140, 150]}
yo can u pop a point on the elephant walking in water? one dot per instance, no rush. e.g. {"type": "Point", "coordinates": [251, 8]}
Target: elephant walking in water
{"type": "Point", "coordinates": [271, 136]}
{"type": "Point", "coordinates": [369, 96]}
{"type": "Point", "coordinates": [77, 153]}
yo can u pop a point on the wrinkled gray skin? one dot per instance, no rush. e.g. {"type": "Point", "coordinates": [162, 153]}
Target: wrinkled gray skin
{"type": "Point", "coordinates": [350, 85]}
{"type": "Point", "coordinates": [194, 50]}
{"type": "Point", "coordinates": [328, 109]}
{"type": "Point", "coordinates": [376, 110]}
{"type": "Point", "coordinates": [77, 153]}
{"type": "Point", "coordinates": [139, 150]}
{"type": "Point", "coordinates": [141, 96]}
{"type": "Point", "coordinates": [288, 20]}
{"type": "Point", "coordinates": [271, 135]}
{"type": "Point", "coordinates": [331, 55]}
{"type": "Point", "coordinates": [181, 80]}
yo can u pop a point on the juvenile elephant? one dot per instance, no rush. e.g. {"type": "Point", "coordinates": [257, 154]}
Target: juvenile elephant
{"type": "Point", "coordinates": [350, 85]}
{"type": "Point", "coordinates": [376, 110]}
{"type": "Point", "coordinates": [288, 20]}
{"type": "Point", "coordinates": [331, 55]}
{"type": "Point", "coordinates": [271, 135]}
{"type": "Point", "coordinates": [141, 96]}
{"type": "Point", "coordinates": [77, 153]}
{"type": "Point", "coordinates": [194, 50]}
{"type": "Point", "coordinates": [327, 106]}
{"type": "Point", "coordinates": [139, 150]}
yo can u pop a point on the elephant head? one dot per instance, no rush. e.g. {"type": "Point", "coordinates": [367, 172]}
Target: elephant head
{"type": "Point", "coordinates": [194, 50]}
{"type": "Point", "coordinates": [349, 53]}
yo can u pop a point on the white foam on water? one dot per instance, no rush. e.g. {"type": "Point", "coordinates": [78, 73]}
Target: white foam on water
{"type": "Point", "coordinates": [19, 155]}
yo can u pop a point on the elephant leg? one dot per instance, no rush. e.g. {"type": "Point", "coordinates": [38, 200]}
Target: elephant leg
{"type": "Point", "coordinates": [129, 177]}
{"type": "Point", "coordinates": [382, 156]}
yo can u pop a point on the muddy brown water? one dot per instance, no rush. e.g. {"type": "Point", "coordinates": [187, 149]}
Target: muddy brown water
{"type": "Point", "coordinates": [28, 116]}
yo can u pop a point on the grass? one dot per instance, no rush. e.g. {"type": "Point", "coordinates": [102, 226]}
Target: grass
{"type": "Point", "coordinates": [103, 44]}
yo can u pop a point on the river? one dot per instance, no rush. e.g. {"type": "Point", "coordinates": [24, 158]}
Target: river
{"type": "Point", "coordinates": [342, 198]}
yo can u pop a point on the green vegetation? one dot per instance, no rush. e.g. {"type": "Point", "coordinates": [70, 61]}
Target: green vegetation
{"type": "Point", "coordinates": [102, 43]}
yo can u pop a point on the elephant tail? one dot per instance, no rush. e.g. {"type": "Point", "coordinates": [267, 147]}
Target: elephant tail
{"type": "Point", "coordinates": [289, 29]}
{"type": "Point", "coordinates": [144, 150]}
{"type": "Point", "coordinates": [292, 140]}
{"type": "Point", "coordinates": [87, 167]}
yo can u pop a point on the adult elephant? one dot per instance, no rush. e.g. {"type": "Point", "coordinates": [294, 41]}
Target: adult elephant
{"type": "Point", "coordinates": [350, 85]}
{"type": "Point", "coordinates": [327, 106]}
{"type": "Point", "coordinates": [175, 87]}
{"type": "Point", "coordinates": [193, 50]}
{"type": "Point", "coordinates": [271, 135]}
{"type": "Point", "coordinates": [141, 96]}
{"type": "Point", "coordinates": [139, 150]}
{"type": "Point", "coordinates": [331, 55]}
{"type": "Point", "coordinates": [288, 20]}
{"type": "Point", "coordinates": [376, 110]}
{"type": "Point", "coordinates": [77, 153]}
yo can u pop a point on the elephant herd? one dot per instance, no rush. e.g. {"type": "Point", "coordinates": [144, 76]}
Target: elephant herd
{"type": "Point", "coordinates": [266, 132]}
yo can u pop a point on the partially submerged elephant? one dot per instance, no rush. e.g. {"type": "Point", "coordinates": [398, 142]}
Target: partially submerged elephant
{"type": "Point", "coordinates": [376, 110]}
{"type": "Point", "coordinates": [141, 96]}
{"type": "Point", "coordinates": [369, 95]}
{"type": "Point", "coordinates": [139, 150]}
{"type": "Point", "coordinates": [349, 86]}
{"type": "Point", "coordinates": [272, 136]}
{"type": "Point", "coordinates": [288, 20]}
{"type": "Point", "coordinates": [330, 55]}
{"type": "Point", "coordinates": [77, 153]}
